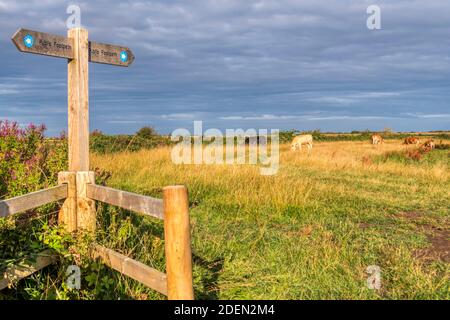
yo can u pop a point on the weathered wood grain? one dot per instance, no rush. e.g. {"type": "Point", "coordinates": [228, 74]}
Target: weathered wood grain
{"type": "Point", "coordinates": [86, 214]}
{"type": "Point", "coordinates": [15, 273]}
{"type": "Point", "coordinates": [43, 43]}
{"type": "Point", "coordinates": [63, 47]}
{"type": "Point", "coordinates": [127, 200]}
{"type": "Point", "coordinates": [78, 101]}
{"type": "Point", "coordinates": [136, 270]}
{"type": "Point", "coordinates": [177, 236]}
{"type": "Point", "coordinates": [68, 213]}
{"type": "Point", "coordinates": [110, 54]}
{"type": "Point", "coordinates": [32, 200]}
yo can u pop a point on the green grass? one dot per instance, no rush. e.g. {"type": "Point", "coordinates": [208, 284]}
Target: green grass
{"type": "Point", "coordinates": [311, 231]}
{"type": "Point", "coordinates": [438, 156]}
{"type": "Point", "coordinates": [308, 232]}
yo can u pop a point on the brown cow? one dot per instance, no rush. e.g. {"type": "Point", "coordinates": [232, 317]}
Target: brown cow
{"type": "Point", "coordinates": [411, 140]}
{"type": "Point", "coordinates": [377, 139]}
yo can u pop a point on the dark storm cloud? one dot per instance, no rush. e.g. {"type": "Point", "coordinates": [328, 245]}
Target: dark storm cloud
{"type": "Point", "coordinates": [274, 64]}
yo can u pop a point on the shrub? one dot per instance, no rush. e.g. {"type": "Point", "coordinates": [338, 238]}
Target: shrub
{"type": "Point", "coordinates": [30, 162]}
{"type": "Point", "coordinates": [27, 161]}
{"type": "Point", "coordinates": [147, 132]}
{"type": "Point", "coordinates": [102, 143]}
{"type": "Point", "coordinates": [442, 146]}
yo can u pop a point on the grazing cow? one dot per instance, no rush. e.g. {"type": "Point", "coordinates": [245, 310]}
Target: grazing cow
{"type": "Point", "coordinates": [302, 139]}
{"type": "Point", "coordinates": [411, 140]}
{"type": "Point", "coordinates": [377, 139]}
{"type": "Point", "coordinates": [429, 145]}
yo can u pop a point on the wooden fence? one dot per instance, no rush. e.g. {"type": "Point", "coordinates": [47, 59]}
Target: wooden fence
{"type": "Point", "coordinates": [77, 186]}
{"type": "Point", "coordinates": [176, 283]}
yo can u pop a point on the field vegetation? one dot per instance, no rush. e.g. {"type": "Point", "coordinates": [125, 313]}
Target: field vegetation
{"type": "Point", "coordinates": [308, 232]}
{"type": "Point", "coordinates": [311, 230]}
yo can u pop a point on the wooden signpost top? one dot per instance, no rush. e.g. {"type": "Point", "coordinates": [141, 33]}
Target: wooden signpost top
{"type": "Point", "coordinates": [79, 51]}
{"type": "Point", "coordinates": [79, 211]}
{"type": "Point", "coordinates": [59, 46]}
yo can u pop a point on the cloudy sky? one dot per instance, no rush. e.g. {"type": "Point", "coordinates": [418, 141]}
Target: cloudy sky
{"type": "Point", "coordinates": [284, 64]}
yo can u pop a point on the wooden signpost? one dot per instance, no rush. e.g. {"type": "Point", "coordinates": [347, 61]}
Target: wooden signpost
{"type": "Point", "coordinates": [77, 186]}
{"type": "Point", "coordinates": [79, 51]}
{"type": "Point", "coordinates": [63, 47]}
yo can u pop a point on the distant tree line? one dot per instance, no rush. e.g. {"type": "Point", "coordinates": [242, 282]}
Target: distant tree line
{"type": "Point", "coordinates": [147, 137]}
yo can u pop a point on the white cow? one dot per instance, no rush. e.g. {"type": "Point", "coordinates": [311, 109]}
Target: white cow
{"type": "Point", "coordinates": [377, 139]}
{"type": "Point", "coordinates": [302, 139]}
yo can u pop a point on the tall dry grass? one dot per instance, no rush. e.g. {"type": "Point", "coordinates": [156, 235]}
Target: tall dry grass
{"type": "Point", "coordinates": [298, 176]}
{"type": "Point", "coordinates": [298, 234]}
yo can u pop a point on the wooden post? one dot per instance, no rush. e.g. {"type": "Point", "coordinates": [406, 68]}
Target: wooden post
{"type": "Point", "coordinates": [86, 214]}
{"type": "Point", "coordinates": [68, 213]}
{"type": "Point", "coordinates": [78, 126]}
{"type": "Point", "coordinates": [78, 101]}
{"type": "Point", "coordinates": [177, 243]}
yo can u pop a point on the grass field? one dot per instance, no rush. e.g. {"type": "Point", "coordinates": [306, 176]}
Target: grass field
{"type": "Point", "coordinates": [308, 232]}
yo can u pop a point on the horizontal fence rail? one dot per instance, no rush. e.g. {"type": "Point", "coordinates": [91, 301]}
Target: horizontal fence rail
{"type": "Point", "coordinates": [127, 200]}
{"type": "Point", "coordinates": [176, 284]}
{"type": "Point", "coordinates": [32, 200]}
{"type": "Point", "coordinates": [15, 273]}
{"type": "Point", "coordinates": [136, 270]}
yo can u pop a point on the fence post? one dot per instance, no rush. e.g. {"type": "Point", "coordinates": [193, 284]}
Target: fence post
{"type": "Point", "coordinates": [68, 213]}
{"type": "Point", "coordinates": [177, 234]}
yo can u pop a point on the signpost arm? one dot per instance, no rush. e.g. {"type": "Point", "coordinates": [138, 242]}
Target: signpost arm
{"type": "Point", "coordinates": [78, 101]}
